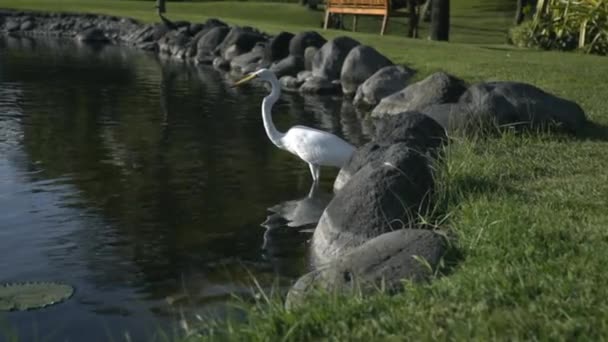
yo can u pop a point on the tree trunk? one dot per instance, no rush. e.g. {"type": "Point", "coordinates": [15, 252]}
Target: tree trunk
{"type": "Point", "coordinates": [519, 12]}
{"type": "Point", "coordinates": [160, 7]}
{"type": "Point", "coordinates": [413, 16]}
{"type": "Point", "coordinates": [440, 20]}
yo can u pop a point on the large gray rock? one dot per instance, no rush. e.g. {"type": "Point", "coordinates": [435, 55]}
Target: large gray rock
{"type": "Point", "coordinates": [12, 25]}
{"type": "Point", "coordinates": [309, 55]}
{"type": "Point", "coordinates": [303, 40]}
{"type": "Point", "coordinates": [200, 30]}
{"type": "Point", "coordinates": [288, 66]}
{"type": "Point", "coordinates": [174, 43]}
{"type": "Point", "coordinates": [278, 47]}
{"type": "Point", "coordinates": [381, 84]}
{"type": "Point", "coordinates": [195, 28]}
{"type": "Point", "coordinates": [327, 62]}
{"type": "Point", "coordinates": [304, 75]}
{"type": "Point", "coordinates": [92, 35]}
{"type": "Point", "coordinates": [371, 152]}
{"type": "Point", "coordinates": [247, 62]}
{"type": "Point", "coordinates": [208, 42]}
{"type": "Point", "coordinates": [320, 86]}
{"type": "Point", "coordinates": [384, 261]}
{"type": "Point", "coordinates": [360, 63]}
{"type": "Point", "coordinates": [176, 25]}
{"type": "Point", "coordinates": [453, 117]}
{"type": "Point", "coordinates": [231, 52]}
{"type": "Point", "coordinates": [436, 89]}
{"type": "Point", "coordinates": [146, 37]}
{"type": "Point", "coordinates": [385, 194]}
{"type": "Point", "coordinates": [221, 64]}
{"type": "Point", "coordinates": [417, 129]}
{"type": "Point", "coordinates": [244, 39]}
{"type": "Point", "coordinates": [290, 83]}
{"type": "Point", "coordinates": [212, 23]}
{"type": "Point", "coordinates": [27, 25]}
{"type": "Point", "coordinates": [502, 104]}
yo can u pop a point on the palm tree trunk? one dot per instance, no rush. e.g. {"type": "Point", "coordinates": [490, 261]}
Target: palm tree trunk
{"type": "Point", "coordinates": [160, 7]}
{"type": "Point", "coordinates": [519, 12]}
{"type": "Point", "coordinates": [413, 16]}
{"type": "Point", "coordinates": [440, 20]}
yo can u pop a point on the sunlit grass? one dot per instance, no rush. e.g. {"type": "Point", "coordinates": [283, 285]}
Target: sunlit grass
{"type": "Point", "coordinates": [476, 21]}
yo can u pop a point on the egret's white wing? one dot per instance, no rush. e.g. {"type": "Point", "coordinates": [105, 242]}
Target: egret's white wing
{"type": "Point", "coordinates": [317, 147]}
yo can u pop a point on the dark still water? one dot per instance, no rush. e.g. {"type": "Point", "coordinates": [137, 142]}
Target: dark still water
{"type": "Point", "coordinates": [143, 184]}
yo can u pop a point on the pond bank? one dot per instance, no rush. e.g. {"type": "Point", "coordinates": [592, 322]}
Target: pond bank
{"type": "Point", "coordinates": [411, 119]}
{"type": "Point", "coordinates": [335, 67]}
{"type": "Point", "coordinates": [309, 64]}
{"type": "Point", "coordinates": [528, 213]}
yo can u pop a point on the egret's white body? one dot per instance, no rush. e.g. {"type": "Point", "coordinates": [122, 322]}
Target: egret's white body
{"type": "Point", "coordinates": [315, 147]}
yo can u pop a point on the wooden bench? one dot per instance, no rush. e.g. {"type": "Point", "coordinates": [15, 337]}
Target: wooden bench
{"type": "Point", "coordinates": [361, 7]}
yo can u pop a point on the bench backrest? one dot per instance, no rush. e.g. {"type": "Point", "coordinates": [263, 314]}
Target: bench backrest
{"type": "Point", "coordinates": [371, 4]}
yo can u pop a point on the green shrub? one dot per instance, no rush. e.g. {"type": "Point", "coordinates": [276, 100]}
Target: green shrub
{"type": "Point", "coordinates": [523, 35]}
{"type": "Point", "coordinates": [566, 25]}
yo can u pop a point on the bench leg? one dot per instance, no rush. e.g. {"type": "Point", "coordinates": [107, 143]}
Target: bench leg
{"type": "Point", "coordinates": [384, 24]}
{"type": "Point", "coordinates": [326, 20]}
{"type": "Point", "coordinates": [355, 23]}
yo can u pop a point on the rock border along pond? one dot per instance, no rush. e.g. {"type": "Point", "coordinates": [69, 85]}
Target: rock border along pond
{"type": "Point", "coordinates": [360, 239]}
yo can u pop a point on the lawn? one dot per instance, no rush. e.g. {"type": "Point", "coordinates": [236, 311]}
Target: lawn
{"type": "Point", "coordinates": [477, 21]}
{"type": "Point", "coordinates": [530, 211]}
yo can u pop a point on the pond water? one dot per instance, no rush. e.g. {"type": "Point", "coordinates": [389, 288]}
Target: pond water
{"type": "Point", "coordinates": [143, 183]}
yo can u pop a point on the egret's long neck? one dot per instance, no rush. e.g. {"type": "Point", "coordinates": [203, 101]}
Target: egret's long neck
{"type": "Point", "coordinates": [269, 101]}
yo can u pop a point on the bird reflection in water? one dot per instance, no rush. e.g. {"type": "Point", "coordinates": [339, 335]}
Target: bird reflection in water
{"type": "Point", "coordinates": [289, 219]}
{"type": "Point", "coordinates": [315, 147]}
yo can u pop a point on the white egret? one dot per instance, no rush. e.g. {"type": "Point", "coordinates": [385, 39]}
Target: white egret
{"type": "Point", "coordinates": [315, 147]}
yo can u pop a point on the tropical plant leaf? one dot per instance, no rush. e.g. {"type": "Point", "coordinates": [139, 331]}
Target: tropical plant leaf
{"type": "Point", "coordinates": [567, 25]}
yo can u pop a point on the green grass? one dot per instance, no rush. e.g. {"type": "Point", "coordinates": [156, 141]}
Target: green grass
{"type": "Point", "coordinates": [530, 211]}
{"type": "Point", "coordinates": [477, 21]}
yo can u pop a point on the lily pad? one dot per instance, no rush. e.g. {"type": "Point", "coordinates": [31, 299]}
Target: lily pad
{"type": "Point", "coordinates": [26, 296]}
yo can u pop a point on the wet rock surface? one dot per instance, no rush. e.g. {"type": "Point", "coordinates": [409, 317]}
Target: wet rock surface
{"type": "Point", "coordinates": [327, 62]}
{"type": "Point", "coordinates": [384, 261]}
{"type": "Point", "coordinates": [382, 83]}
{"type": "Point", "coordinates": [437, 88]}
{"type": "Point", "coordinates": [301, 41]}
{"type": "Point", "coordinates": [384, 194]}
{"type": "Point", "coordinates": [516, 104]}
{"type": "Point", "coordinates": [360, 63]}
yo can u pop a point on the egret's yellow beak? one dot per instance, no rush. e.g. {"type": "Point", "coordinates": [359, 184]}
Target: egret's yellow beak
{"type": "Point", "coordinates": [244, 80]}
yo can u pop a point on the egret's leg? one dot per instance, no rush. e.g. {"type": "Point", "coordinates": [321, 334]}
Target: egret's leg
{"type": "Point", "coordinates": [312, 190]}
{"type": "Point", "coordinates": [314, 171]}
{"type": "Point", "coordinates": [317, 173]}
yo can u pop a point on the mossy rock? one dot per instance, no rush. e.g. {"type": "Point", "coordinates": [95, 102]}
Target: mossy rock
{"type": "Point", "coordinates": [26, 296]}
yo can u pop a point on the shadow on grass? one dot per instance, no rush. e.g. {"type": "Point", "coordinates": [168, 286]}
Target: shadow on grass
{"type": "Point", "coordinates": [593, 131]}
{"type": "Point", "coordinates": [479, 30]}
{"type": "Point", "coordinates": [506, 6]}
{"type": "Point", "coordinates": [507, 48]}
{"type": "Point", "coordinates": [471, 185]}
